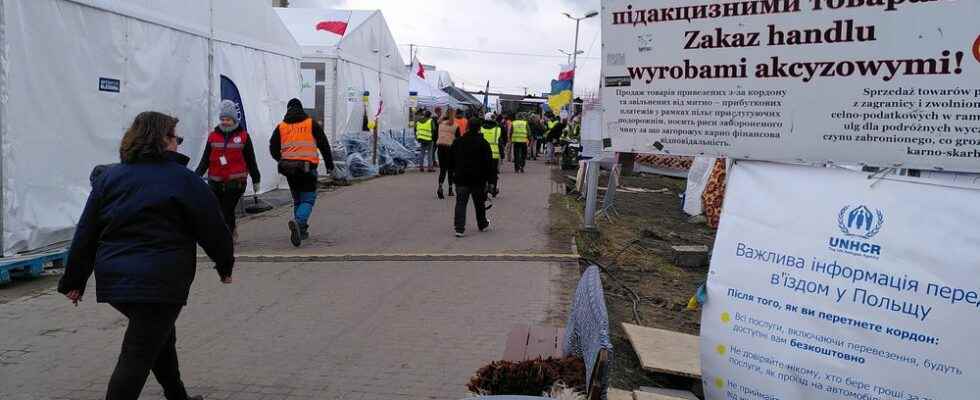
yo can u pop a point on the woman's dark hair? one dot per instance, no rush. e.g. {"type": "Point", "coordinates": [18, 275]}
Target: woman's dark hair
{"type": "Point", "coordinates": [146, 138]}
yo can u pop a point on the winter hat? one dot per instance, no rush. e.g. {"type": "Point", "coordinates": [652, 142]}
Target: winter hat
{"type": "Point", "coordinates": [228, 109]}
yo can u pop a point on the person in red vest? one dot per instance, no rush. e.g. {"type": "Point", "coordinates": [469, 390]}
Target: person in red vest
{"type": "Point", "coordinates": [228, 160]}
{"type": "Point", "coordinates": [294, 145]}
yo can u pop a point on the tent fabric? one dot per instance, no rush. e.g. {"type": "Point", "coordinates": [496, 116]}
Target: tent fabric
{"type": "Point", "coordinates": [463, 97]}
{"type": "Point", "coordinates": [364, 59]}
{"type": "Point", "coordinates": [158, 54]}
{"type": "Point", "coordinates": [428, 96]}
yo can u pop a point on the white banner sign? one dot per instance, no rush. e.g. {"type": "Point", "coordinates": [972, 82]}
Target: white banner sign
{"type": "Point", "coordinates": [827, 285]}
{"type": "Point", "coordinates": [877, 82]}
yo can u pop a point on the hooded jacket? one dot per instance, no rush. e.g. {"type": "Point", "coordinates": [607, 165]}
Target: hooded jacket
{"type": "Point", "coordinates": [294, 114]}
{"type": "Point", "coordinates": [140, 230]}
{"type": "Point", "coordinates": [472, 159]}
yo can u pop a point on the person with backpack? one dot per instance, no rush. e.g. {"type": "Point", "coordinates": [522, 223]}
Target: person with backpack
{"type": "Point", "coordinates": [294, 146]}
{"type": "Point", "coordinates": [448, 132]}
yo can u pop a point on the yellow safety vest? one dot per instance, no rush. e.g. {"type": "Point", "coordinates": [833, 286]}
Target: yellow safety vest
{"type": "Point", "coordinates": [551, 124]}
{"type": "Point", "coordinates": [492, 136]}
{"type": "Point", "coordinates": [423, 130]}
{"type": "Point", "coordinates": [520, 132]}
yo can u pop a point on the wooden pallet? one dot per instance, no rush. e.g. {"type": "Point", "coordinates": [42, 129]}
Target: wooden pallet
{"type": "Point", "coordinates": [30, 266]}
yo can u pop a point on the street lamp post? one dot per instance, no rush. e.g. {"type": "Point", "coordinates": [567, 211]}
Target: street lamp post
{"type": "Point", "coordinates": [575, 53]}
{"type": "Point", "coordinates": [569, 54]}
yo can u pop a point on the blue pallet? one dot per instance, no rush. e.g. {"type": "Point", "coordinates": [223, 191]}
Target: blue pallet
{"type": "Point", "coordinates": [30, 266]}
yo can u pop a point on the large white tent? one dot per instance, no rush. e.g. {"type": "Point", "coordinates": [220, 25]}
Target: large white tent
{"type": "Point", "coordinates": [345, 55]}
{"type": "Point", "coordinates": [76, 72]}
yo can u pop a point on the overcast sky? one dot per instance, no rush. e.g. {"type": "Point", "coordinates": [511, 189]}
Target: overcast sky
{"type": "Point", "coordinates": [520, 26]}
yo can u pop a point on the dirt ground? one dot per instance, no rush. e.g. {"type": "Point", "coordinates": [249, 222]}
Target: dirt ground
{"type": "Point", "coordinates": [634, 248]}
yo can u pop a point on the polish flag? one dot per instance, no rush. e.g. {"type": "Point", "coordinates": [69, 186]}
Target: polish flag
{"type": "Point", "coordinates": [337, 27]}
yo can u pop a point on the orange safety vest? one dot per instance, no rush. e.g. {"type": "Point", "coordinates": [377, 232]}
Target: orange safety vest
{"type": "Point", "coordinates": [463, 124]}
{"type": "Point", "coordinates": [298, 142]}
{"type": "Point", "coordinates": [227, 160]}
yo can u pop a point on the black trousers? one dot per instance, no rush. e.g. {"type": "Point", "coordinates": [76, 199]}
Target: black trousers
{"type": "Point", "coordinates": [520, 155]}
{"type": "Point", "coordinates": [228, 194]}
{"type": "Point", "coordinates": [479, 195]}
{"type": "Point", "coordinates": [149, 345]}
{"type": "Point", "coordinates": [445, 166]}
{"type": "Point", "coordinates": [494, 171]}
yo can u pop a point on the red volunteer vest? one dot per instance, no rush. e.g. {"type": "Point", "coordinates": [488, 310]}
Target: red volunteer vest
{"type": "Point", "coordinates": [227, 161]}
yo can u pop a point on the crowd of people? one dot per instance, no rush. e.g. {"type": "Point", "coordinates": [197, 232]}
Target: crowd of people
{"type": "Point", "coordinates": [449, 140]}
{"type": "Point", "coordinates": [147, 214]}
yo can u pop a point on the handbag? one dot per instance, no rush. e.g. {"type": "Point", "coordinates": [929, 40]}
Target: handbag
{"type": "Point", "coordinates": [294, 167]}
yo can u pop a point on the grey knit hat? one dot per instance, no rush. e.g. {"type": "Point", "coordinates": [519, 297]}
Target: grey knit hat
{"type": "Point", "coordinates": [228, 109]}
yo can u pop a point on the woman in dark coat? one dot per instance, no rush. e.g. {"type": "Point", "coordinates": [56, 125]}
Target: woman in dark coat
{"type": "Point", "coordinates": [139, 233]}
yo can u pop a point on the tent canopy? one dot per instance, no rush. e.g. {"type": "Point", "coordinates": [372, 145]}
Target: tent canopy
{"type": "Point", "coordinates": [429, 96]}
{"type": "Point", "coordinates": [126, 57]}
{"type": "Point", "coordinates": [355, 53]}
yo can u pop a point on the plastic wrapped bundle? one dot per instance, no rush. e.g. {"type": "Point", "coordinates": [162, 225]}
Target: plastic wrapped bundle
{"type": "Point", "coordinates": [358, 148]}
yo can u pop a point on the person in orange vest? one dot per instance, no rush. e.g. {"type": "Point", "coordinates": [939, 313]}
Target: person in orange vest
{"type": "Point", "coordinates": [294, 145]}
{"type": "Point", "coordinates": [228, 159]}
{"type": "Point", "coordinates": [462, 121]}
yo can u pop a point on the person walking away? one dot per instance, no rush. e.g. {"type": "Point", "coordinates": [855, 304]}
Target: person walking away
{"type": "Point", "coordinates": [462, 122]}
{"type": "Point", "coordinates": [424, 130]}
{"type": "Point", "coordinates": [491, 132]}
{"type": "Point", "coordinates": [519, 136]}
{"type": "Point", "coordinates": [473, 169]}
{"type": "Point", "coordinates": [228, 159]}
{"type": "Point", "coordinates": [139, 233]}
{"type": "Point", "coordinates": [294, 144]}
{"type": "Point", "coordinates": [538, 132]}
{"type": "Point", "coordinates": [506, 142]}
{"type": "Point", "coordinates": [448, 132]}
{"type": "Point", "coordinates": [553, 139]}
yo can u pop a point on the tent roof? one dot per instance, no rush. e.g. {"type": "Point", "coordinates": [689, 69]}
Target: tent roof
{"type": "Point", "coordinates": [249, 23]}
{"type": "Point", "coordinates": [463, 97]}
{"type": "Point", "coordinates": [367, 41]}
{"type": "Point", "coordinates": [439, 79]}
{"type": "Point", "coordinates": [428, 95]}
{"type": "Point", "coordinates": [302, 23]}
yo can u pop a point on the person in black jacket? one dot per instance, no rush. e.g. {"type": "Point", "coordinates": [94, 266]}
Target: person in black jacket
{"type": "Point", "coordinates": [139, 233]}
{"type": "Point", "coordinates": [294, 145]}
{"type": "Point", "coordinates": [473, 169]}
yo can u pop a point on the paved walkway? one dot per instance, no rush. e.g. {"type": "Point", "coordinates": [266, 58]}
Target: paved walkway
{"type": "Point", "coordinates": [321, 330]}
{"type": "Point", "coordinates": [401, 214]}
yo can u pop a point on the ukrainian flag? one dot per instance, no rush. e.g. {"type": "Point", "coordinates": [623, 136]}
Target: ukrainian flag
{"type": "Point", "coordinates": [561, 89]}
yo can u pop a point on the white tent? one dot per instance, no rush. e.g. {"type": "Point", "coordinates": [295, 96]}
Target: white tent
{"type": "Point", "coordinates": [345, 54]}
{"type": "Point", "coordinates": [76, 72]}
{"type": "Point", "coordinates": [429, 96]}
{"type": "Point", "coordinates": [439, 79]}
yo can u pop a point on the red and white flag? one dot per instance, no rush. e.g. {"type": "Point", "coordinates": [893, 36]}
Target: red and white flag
{"type": "Point", "coordinates": [418, 68]}
{"type": "Point", "coordinates": [567, 72]}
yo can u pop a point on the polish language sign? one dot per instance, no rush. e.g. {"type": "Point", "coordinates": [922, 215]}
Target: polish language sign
{"type": "Point", "coordinates": [886, 83]}
{"type": "Point", "coordinates": [826, 285]}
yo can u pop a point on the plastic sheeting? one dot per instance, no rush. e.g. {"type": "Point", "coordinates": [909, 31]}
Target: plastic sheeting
{"type": "Point", "coordinates": [56, 124]}
{"type": "Point", "coordinates": [356, 149]}
{"type": "Point", "coordinates": [697, 179]}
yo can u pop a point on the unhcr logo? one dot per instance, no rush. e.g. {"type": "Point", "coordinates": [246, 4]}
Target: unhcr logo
{"type": "Point", "coordinates": [858, 223]}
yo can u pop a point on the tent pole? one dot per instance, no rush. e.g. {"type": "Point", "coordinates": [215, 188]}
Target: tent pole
{"type": "Point", "coordinates": [210, 61]}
